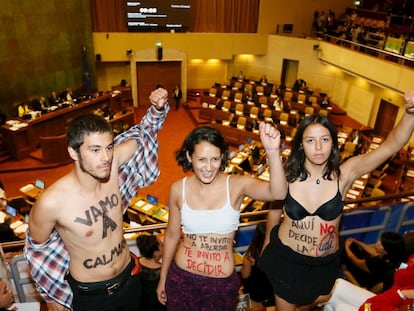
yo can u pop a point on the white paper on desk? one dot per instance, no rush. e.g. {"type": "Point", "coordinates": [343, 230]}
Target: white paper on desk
{"type": "Point", "coordinates": [15, 224]}
{"type": "Point", "coordinates": [140, 203]}
{"type": "Point", "coordinates": [27, 188]}
{"type": "Point", "coordinates": [132, 236]}
{"type": "Point", "coordinates": [410, 173]}
{"type": "Point", "coordinates": [12, 122]}
{"type": "Point", "coordinates": [349, 206]}
{"type": "Point", "coordinates": [358, 186]}
{"type": "Point", "coordinates": [21, 229]}
{"type": "Point", "coordinates": [359, 182]}
{"type": "Point", "coordinates": [147, 207]}
{"type": "Point", "coordinates": [236, 160]}
{"type": "Point", "coordinates": [265, 176]}
{"type": "Point", "coordinates": [351, 196]}
{"type": "Point", "coordinates": [354, 192]}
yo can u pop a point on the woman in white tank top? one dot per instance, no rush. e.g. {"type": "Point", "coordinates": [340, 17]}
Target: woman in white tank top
{"type": "Point", "coordinates": [198, 266]}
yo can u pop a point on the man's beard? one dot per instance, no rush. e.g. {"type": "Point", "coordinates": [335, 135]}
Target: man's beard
{"type": "Point", "coordinates": [82, 167]}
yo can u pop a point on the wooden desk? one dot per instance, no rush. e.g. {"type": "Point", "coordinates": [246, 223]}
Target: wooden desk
{"type": "Point", "coordinates": [235, 136]}
{"type": "Point", "coordinates": [31, 192]}
{"type": "Point", "coordinates": [157, 211]}
{"type": "Point", "coordinates": [122, 121]}
{"type": "Point", "coordinates": [17, 141]}
{"type": "Point", "coordinates": [20, 142]}
{"type": "Point", "coordinates": [18, 225]}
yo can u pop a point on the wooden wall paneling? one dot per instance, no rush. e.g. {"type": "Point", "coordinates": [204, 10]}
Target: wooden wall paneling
{"type": "Point", "coordinates": [151, 74]}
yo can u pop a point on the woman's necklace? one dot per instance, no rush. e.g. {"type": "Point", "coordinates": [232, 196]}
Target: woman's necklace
{"type": "Point", "coordinates": [318, 181]}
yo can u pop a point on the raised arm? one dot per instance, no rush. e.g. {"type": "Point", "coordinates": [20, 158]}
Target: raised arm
{"type": "Point", "coordinates": [358, 262]}
{"type": "Point", "coordinates": [398, 137]}
{"type": "Point", "coordinates": [128, 142]}
{"type": "Point", "coordinates": [276, 189]}
{"type": "Point", "coordinates": [139, 148]}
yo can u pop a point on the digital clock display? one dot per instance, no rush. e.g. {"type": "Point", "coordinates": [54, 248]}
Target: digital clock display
{"type": "Point", "coordinates": [158, 15]}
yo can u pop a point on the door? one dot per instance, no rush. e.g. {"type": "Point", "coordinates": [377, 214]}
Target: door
{"type": "Point", "coordinates": [150, 74]}
{"type": "Point", "coordinates": [386, 116]}
{"type": "Point", "coordinates": [289, 72]}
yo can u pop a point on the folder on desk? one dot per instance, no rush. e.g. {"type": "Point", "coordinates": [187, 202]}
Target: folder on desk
{"type": "Point", "coordinates": [161, 214]}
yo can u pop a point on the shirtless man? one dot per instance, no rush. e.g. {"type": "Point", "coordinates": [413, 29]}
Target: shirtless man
{"type": "Point", "coordinates": [85, 209]}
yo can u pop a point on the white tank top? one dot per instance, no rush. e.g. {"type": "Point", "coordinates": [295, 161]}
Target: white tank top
{"type": "Point", "coordinates": [222, 220]}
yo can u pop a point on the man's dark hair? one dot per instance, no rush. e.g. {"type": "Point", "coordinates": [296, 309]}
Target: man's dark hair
{"type": "Point", "coordinates": [84, 125]}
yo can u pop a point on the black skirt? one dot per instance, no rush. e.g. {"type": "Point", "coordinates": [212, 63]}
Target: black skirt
{"type": "Point", "coordinates": [297, 278]}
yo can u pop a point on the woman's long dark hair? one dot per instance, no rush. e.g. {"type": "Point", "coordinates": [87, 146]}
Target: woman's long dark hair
{"type": "Point", "coordinates": [196, 136]}
{"type": "Point", "coordinates": [295, 164]}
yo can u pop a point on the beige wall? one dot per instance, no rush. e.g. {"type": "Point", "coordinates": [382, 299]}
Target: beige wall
{"type": "Point", "coordinates": [353, 80]}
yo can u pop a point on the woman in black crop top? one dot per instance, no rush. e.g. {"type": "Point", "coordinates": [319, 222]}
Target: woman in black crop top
{"type": "Point", "coordinates": [301, 258]}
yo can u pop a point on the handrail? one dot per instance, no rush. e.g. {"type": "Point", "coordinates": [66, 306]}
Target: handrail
{"type": "Point", "coordinates": [155, 227]}
{"type": "Point", "coordinates": [382, 197]}
{"type": "Point", "coordinates": [401, 58]}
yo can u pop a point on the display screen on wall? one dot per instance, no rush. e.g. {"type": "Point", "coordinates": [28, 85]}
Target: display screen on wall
{"type": "Point", "coordinates": [393, 45]}
{"type": "Point", "coordinates": [409, 49]}
{"type": "Point", "coordinates": [158, 15]}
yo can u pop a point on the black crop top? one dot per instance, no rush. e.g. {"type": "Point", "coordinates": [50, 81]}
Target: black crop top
{"type": "Point", "coordinates": [327, 211]}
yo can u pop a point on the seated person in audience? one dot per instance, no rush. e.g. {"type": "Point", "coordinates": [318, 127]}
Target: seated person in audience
{"type": "Point", "coordinates": [23, 109]}
{"type": "Point", "coordinates": [53, 99]}
{"type": "Point", "coordinates": [346, 296]}
{"type": "Point", "coordinates": [35, 104]}
{"type": "Point", "coordinates": [371, 266]}
{"type": "Point", "coordinates": [325, 102]}
{"type": "Point", "coordinates": [6, 232]}
{"type": "Point", "coordinates": [278, 104]}
{"type": "Point", "coordinates": [254, 280]}
{"type": "Point", "coordinates": [151, 252]}
{"type": "Point", "coordinates": [6, 296]}
{"type": "Point", "coordinates": [69, 95]}
{"type": "Point", "coordinates": [263, 80]}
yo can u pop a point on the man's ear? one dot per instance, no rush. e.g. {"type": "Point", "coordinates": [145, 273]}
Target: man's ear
{"type": "Point", "coordinates": [73, 154]}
